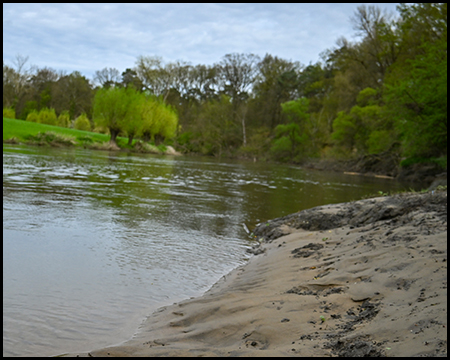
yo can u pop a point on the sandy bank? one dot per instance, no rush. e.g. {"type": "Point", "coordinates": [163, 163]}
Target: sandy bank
{"type": "Point", "coordinates": [361, 278]}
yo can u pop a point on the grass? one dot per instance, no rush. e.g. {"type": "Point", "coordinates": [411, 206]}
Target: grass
{"type": "Point", "coordinates": [25, 131]}
{"type": "Point", "coordinates": [20, 131]}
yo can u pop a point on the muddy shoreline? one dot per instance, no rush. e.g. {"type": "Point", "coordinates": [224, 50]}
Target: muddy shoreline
{"type": "Point", "coordinates": [365, 278]}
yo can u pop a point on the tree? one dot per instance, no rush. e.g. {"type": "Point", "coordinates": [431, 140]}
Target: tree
{"type": "Point", "coordinates": [131, 79]}
{"type": "Point", "coordinates": [238, 72]}
{"type": "Point", "coordinates": [291, 138]}
{"type": "Point", "coordinates": [158, 120]}
{"type": "Point", "coordinates": [379, 39]}
{"type": "Point", "coordinates": [16, 83]}
{"type": "Point", "coordinates": [41, 86]}
{"type": "Point", "coordinates": [416, 88]}
{"type": "Point", "coordinates": [131, 123]}
{"type": "Point", "coordinates": [154, 77]}
{"type": "Point", "coordinates": [116, 109]}
{"type": "Point", "coordinates": [204, 82]}
{"type": "Point", "coordinates": [365, 129]}
{"type": "Point", "coordinates": [72, 92]}
{"type": "Point", "coordinates": [276, 82]}
{"type": "Point", "coordinates": [107, 77]}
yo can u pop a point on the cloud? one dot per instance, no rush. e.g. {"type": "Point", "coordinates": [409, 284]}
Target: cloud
{"type": "Point", "coordinates": [89, 37]}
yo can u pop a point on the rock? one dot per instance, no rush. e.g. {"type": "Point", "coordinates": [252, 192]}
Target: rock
{"type": "Point", "coordinates": [355, 213]}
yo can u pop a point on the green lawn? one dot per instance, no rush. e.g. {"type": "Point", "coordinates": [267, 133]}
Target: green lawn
{"type": "Point", "coordinates": [23, 130]}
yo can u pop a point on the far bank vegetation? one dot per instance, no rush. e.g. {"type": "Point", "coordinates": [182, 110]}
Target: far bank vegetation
{"type": "Point", "coordinates": [383, 95]}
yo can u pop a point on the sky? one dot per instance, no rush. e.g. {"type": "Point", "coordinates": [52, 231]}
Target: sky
{"type": "Point", "coordinates": [89, 37]}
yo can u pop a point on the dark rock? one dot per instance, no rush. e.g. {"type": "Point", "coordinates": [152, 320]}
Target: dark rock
{"type": "Point", "coordinates": [394, 208]}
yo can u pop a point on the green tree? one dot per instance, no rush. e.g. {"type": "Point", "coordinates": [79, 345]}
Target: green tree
{"type": "Point", "coordinates": [291, 138]}
{"type": "Point", "coordinates": [130, 78]}
{"type": "Point", "coordinates": [118, 110]}
{"type": "Point", "coordinates": [288, 139]}
{"type": "Point", "coordinates": [366, 129]}
{"type": "Point", "coordinates": [275, 83]}
{"type": "Point", "coordinates": [73, 93]}
{"type": "Point", "coordinates": [416, 87]}
{"type": "Point", "coordinates": [344, 131]}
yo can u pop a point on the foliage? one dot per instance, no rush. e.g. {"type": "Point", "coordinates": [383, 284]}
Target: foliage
{"type": "Point", "coordinates": [64, 119]}
{"type": "Point", "coordinates": [258, 144]}
{"type": "Point", "coordinates": [117, 109]}
{"type": "Point", "coordinates": [33, 116]}
{"type": "Point", "coordinates": [52, 138]}
{"type": "Point", "coordinates": [297, 110]}
{"type": "Point", "coordinates": [288, 141]}
{"type": "Point", "coordinates": [9, 113]}
{"type": "Point", "coordinates": [158, 120]}
{"type": "Point", "coordinates": [385, 92]}
{"type": "Point", "coordinates": [47, 116]}
{"type": "Point", "coordinates": [416, 90]}
{"type": "Point", "coordinates": [344, 131]}
{"type": "Point", "coordinates": [82, 123]}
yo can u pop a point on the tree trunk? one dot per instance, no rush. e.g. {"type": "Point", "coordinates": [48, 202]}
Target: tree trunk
{"type": "Point", "coordinates": [114, 134]}
{"type": "Point", "coordinates": [244, 143]}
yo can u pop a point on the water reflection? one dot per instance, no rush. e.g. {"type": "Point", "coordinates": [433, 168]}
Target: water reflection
{"type": "Point", "coordinates": [94, 240]}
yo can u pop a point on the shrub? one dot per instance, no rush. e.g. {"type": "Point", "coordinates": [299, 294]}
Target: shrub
{"type": "Point", "coordinates": [33, 116]}
{"type": "Point", "coordinates": [47, 116]}
{"type": "Point", "coordinates": [82, 123]}
{"type": "Point", "coordinates": [9, 113]}
{"type": "Point", "coordinates": [64, 119]}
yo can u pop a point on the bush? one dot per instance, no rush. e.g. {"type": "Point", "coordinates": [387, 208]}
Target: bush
{"type": "Point", "coordinates": [9, 113]}
{"type": "Point", "coordinates": [64, 119]}
{"type": "Point", "coordinates": [82, 123]}
{"type": "Point", "coordinates": [47, 116]}
{"type": "Point", "coordinates": [33, 116]}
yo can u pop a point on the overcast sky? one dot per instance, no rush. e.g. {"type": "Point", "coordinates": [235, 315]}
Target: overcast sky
{"type": "Point", "coordinates": [89, 37]}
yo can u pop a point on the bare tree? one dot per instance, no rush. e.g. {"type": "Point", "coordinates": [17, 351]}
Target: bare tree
{"type": "Point", "coordinates": [107, 77]}
{"type": "Point", "coordinates": [238, 73]}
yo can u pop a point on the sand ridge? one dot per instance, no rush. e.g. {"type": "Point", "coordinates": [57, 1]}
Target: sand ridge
{"type": "Point", "coordinates": [368, 279]}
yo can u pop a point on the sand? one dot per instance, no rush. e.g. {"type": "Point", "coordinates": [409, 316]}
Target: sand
{"type": "Point", "coordinates": [366, 278]}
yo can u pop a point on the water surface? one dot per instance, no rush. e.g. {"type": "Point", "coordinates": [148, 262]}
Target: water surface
{"type": "Point", "coordinates": [93, 241]}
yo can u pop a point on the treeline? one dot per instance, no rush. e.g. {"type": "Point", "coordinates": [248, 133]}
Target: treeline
{"type": "Point", "coordinates": [383, 94]}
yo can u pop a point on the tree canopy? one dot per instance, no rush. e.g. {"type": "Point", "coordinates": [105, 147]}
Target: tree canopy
{"type": "Point", "coordinates": [385, 92]}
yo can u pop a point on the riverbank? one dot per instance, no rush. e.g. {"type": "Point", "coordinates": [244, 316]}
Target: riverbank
{"type": "Point", "coordinates": [30, 133]}
{"type": "Point", "coordinates": [362, 278]}
{"type": "Point", "coordinates": [386, 165]}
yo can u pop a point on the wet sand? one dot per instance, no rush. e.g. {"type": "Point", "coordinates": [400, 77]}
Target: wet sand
{"type": "Point", "coordinates": [366, 278]}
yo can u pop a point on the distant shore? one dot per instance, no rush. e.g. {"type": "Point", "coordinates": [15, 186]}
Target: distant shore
{"type": "Point", "coordinates": [365, 278]}
{"type": "Point", "coordinates": [378, 165]}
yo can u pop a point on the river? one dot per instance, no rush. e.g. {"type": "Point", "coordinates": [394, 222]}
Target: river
{"type": "Point", "coordinates": [94, 241]}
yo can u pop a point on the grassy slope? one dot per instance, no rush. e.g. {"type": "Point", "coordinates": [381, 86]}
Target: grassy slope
{"type": "Point", "coordinates": [21, 130]}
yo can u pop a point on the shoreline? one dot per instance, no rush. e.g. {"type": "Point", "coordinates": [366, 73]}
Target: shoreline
{"type": "Point", "coordinates": [425, 174]}
{"type": "Point", "coordinates": [365, 278]}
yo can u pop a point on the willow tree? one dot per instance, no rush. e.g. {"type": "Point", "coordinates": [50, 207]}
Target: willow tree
{"type": "Point", "coordinates": [158, 120]}
{"type": "Point", "coordinates": [118, 110]}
